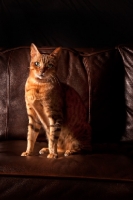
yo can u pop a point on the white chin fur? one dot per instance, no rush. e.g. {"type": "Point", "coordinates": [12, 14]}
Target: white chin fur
{"type": "Point", "coordinates": [40, 77]}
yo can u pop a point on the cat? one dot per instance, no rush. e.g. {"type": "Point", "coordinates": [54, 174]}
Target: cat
{"type": "Point", "coordinates": [54, 106]}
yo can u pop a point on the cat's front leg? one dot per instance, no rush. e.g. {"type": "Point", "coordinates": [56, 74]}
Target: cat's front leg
{"type": "Point", "coordinates": [33, 131]}
{"type": "Point", "coordinates": [55, 128]}
{"type": "Point", "coordinates": [31, 139]}
{"type": "Point", "coordinates": [30, 145]}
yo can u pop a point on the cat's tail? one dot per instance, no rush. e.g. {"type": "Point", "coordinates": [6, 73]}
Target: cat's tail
{"type": "Point", "coordinates": [84, 138]}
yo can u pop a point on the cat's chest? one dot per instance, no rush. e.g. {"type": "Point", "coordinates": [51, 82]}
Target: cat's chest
{"type": "Point", "coordinates": [44, 93]}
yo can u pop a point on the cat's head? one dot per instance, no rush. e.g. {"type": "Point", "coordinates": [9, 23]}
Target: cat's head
{"type": "Point", "coordinates": [42, 66]}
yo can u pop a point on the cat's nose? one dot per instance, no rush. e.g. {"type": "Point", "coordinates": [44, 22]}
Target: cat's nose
{"type": "Point", "coordinates": [41, 73]}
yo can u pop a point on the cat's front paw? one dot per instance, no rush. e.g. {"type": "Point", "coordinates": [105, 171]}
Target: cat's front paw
{"type": "Point", "coordinates": [26, 154]}
{"type": "Point", "coordinates": [44, 150]}
{"type": "Point", "coordinates": [67, 153]}
{"type": "Point", "coordinates": [71, 152]}
{"type": "Point", "coordinates": [52, 155]}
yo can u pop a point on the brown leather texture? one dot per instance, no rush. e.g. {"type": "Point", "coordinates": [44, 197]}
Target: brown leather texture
{"type": "Point", "coordinates": [127, 56]}
{"type": "Point", "coordinates": [3, 96]}
{"type": "Point", "coordinates": [103, 79]}
{"type": "Point", "coordinates": [102, 76]}
{"type": "Point", "coordinates": [98, 175]}
{"type": "Point", "coordinates": [57, 188]}
{"type": "Point", "coordinates": [96, 74]}
{"type": "Point", "coordinates": [86, 166]}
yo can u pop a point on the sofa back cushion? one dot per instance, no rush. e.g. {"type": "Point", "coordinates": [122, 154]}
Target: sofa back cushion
{"type": "Point", "coordinates": [127, 57]}
{"type": "Point", "coordinates": [96, 74]}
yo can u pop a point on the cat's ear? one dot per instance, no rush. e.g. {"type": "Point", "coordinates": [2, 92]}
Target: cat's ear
{"type": "Point", "coordinates": [56, 53]}
{"type": "Point", "coordinates": [34, 51]}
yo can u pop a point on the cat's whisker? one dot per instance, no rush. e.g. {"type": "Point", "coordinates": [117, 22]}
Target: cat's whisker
{"type": "Point", "coordinates": [56, 80]}
{"type": "Point", "coordinates": [52, 78]}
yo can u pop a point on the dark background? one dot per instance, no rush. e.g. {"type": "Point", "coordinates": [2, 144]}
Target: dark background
{"type": "Point", "coordinates": [67, 23]}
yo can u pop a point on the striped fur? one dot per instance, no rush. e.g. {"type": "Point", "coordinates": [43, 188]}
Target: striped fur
{"type": "Point", "coordinates": [54, 106]}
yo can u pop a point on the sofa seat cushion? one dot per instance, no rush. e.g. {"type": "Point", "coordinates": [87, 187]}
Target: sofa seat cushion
{"type": "Point", "coordinates": [103, 166]}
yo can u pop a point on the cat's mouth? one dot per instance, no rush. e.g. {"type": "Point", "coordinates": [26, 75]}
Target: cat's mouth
{"type": "Point", "coordinates": [40, 76]}
{"type": "Point", "coordinates": [45, 79]}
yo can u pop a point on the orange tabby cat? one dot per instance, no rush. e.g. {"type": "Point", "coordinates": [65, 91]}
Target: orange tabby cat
{"type": "Point", "coordinates": [54, 106]}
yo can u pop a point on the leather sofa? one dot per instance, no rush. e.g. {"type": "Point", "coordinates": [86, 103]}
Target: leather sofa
{"type": "Point", "coordinates": [99, 68]}
{"type": "Point", "coordinates": [103, 78]}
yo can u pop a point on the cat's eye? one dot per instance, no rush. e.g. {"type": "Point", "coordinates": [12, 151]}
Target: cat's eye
{"type": "Point", "coordinates": [37, 64]}
{"type": "Point", "coordinates": [49, 66]}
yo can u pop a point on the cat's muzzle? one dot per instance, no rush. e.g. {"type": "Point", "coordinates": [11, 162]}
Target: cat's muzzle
{"type": "Point", "coordinates": [41, 76]}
